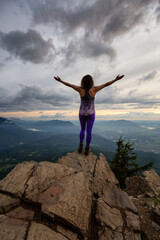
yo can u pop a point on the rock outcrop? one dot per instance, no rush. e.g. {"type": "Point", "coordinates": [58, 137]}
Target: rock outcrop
{"type": "Point", "coordinates": [148, 184]}
{"type": "Point", "coordinates": [77, 198]}
{"type": "Point", "coordinates": [144, 192]}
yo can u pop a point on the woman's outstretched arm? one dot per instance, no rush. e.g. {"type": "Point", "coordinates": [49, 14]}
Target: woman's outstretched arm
{"type": "Point", "coordinates": [100, 87]}
{"type": "Point", "coordinates": [77, 88]}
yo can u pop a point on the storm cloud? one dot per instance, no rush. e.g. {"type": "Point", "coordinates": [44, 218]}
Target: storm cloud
{"type": "Point", "coordinates": [29, 98]}
{"type": "Point", "coordinates": [29, 46]}
{"type": "Point", "coordinates": [111, 98]}
{"type": "Point", "coordinates": [32, 98]}
{"type": "Point", "coordinates": [87, 49]}
{"type": "Point", "coordinates": [97, 37]}
{"type": "Point", "coordinates": [87, 29]}
{"type": "Point", "coordinates": [149, 76]}
{"type": "Point", "coordinates": [157, 12]}
{"type": "Point", "coordinates": [107, 18]}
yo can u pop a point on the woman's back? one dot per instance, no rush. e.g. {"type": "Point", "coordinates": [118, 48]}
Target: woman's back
{"type": "Point", "coordinates": [87, 103]}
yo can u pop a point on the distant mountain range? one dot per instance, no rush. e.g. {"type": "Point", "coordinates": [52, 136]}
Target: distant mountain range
{"type": "Point", "coordinates": [51, 126]}
{"type": "Point", "coordinates": [118, 123]}
{"type": "Point", "coordinates": [55, 138]}
{"type": "Point", "coordinates": [42, 123]}
{"type": "Point", "coordinates": [16, 131]}
{"type": "Point", "coordinates": [13, 135]}
{"type": "Point", "coordinates": [5, 122]}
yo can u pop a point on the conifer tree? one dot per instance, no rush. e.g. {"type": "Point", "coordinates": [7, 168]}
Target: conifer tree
{"type": "Point", "coordinates": [124, 162]}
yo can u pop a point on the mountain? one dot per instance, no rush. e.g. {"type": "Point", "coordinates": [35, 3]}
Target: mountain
{"type": "Point", "coordinates": [13, 135]}
{"type": "Point", "coordinates": [5, 122]}
{"type": "Point", "coordinates": [42, 122]}
{"type": "Point", "coordinates": [118, 123]}
{"type": "Point", "coordinates": [52, 126]}
{"type": "Point", "coordinates": [16, 131]}
{"type": "Point", "coordinates": [77, 198]}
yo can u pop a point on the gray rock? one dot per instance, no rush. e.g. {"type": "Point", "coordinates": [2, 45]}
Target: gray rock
{"type": "Point", "coordinates": [103, 176]}
{"type": "Point", "coordinates": [109, 217]}
{"type": "Point", "coordinates": [77, 198]}
{"type": "Point", "coordinates": [7, 203]}
{"type": "Point", "coordinates": [153, 180]}
{"type": "Point", "coordinates": [156, 226]}
{"type": "Point", "coordinates": [79, 161]}
{"type": "Point", "coordinates": [130, 235]}
{"type": "Point", "coordinates": [16, 181]}
{"type": "Point", "coordinates": [132, 221]}
{"type": "Point", "coordinates": [148, 184]}
{"type": "Point", "coordinates": [115, 197]}
{"type": "Point", "coordinates": [38, 231]}
{"type": "Point", "coordinates": [69, 234]}
{"type": "Point", "coordinates": [108, 234]}
{"type": "Point", "coordinates": [21, 213]}
{"type": "Point", "coordinates": [62, 191]}
{"type": "Point", "coordinates": [11, 229]}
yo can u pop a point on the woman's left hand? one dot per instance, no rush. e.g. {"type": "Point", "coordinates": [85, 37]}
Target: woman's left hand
{"type": "Point", "coordinates": [57, 79]}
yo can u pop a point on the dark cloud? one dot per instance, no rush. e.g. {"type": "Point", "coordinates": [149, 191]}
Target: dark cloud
{"type": "Point", "coordinates": [29, 46]}
{"type": "Point", "coordinates": [157, 12]}
{"type": "Point", "coordinates": [107, 18]}
{"type": "Point", "coordinates": [96, 49]}
{"type": "Point", "coordinates": [149, 76]}
{"type": "Point", "coordinates": [2, 65]}
{"type": "Point", "coordinates": [86, 49]}
{"type": "Point", "coordinates": [30, 98]}
{"type": "Point", "coordinates": [94, 23]}
{"type": "Point", "coordinates": [33, 98]}
{"type": "Point", "coordinates": [121, 22]}
{"type": "Point", "coordinates": [3, 93]}
{"type": "Point", "coordinates": [132, 92]}
{"type": "Point", "coordinates": [70, 53]}
{"type": "Point", "coordinates": [112, 99]}
{"type": "Point", "coordinates": [86, 27]}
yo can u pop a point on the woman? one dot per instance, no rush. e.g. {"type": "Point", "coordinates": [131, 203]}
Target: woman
{"type": "Point", "coordinates": [87, 92]}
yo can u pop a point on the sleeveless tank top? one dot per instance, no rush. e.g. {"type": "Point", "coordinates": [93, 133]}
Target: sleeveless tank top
{"type": "Point", "coordinates": [87, 104]}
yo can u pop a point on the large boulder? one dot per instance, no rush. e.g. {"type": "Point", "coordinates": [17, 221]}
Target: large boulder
{"type": "Point", "coordinates": [76, 198]}
{"type": "Point", "coordinates": [148, 184]}
{"type": "Point", "coordinates": [144, 192]}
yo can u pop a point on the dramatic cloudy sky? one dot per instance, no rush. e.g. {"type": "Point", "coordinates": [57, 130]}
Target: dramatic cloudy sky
{"type": "Point", "coordinates": [104, 38]}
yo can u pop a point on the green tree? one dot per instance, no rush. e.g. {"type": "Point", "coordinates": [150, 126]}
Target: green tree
{"type": "Point", "coordinates": [124, 162]}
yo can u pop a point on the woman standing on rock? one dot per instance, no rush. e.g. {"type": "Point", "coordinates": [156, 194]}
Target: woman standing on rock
{"type": "Point", "coordinates": [87, 92]}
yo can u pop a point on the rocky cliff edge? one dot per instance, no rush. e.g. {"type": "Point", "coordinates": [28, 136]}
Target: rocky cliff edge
{"type": "Point", "coordinates": [77, 198]}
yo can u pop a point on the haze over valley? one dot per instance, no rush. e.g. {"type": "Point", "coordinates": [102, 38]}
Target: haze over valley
{"type": "Point", "coordinates": [49, 140]}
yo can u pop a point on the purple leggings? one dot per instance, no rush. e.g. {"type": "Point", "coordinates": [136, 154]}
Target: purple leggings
{"type": "Point", "coordinates": [86, 124]}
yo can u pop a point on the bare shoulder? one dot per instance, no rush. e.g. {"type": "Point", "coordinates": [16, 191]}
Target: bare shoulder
{"type": "Point", "coordinates": [81, 92]}
{"type": "Point", "coordinates": [92, 91]}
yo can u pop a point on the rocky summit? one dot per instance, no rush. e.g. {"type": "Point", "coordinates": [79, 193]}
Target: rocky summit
{"type": "Point", "coordinates": [77, 198]}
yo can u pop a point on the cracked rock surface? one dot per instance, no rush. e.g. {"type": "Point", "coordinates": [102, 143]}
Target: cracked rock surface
{"type": "Point", "coordinates": [144, 192]}
{"type": "Point", "coordinates": [77, 198]}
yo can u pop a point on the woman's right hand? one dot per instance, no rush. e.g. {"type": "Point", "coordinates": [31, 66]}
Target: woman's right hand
{"type": "Point", "coordinates": [57, 79]}
{"type": "Point", "coordinates": [119, 77]}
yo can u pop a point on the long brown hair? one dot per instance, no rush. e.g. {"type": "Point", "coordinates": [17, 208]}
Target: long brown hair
{"type": "Point", "coordinates": [87, 81]}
